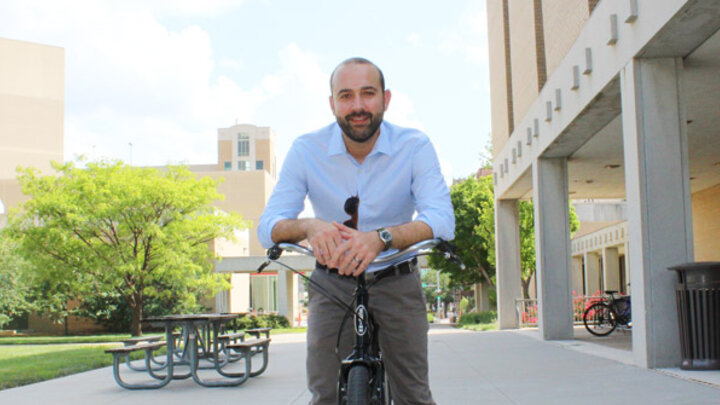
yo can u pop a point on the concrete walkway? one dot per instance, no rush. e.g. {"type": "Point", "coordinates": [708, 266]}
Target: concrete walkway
{"type": "Point", "coordinates": [508, 367]}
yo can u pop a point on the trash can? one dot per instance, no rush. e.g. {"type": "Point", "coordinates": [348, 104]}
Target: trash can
{"type": "Point", "coordinates": [698, 303]}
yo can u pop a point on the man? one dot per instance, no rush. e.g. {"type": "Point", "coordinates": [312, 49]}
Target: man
{"type": "Point", "coordinates": [385, 173]}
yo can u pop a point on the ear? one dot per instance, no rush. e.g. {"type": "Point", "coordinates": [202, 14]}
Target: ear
{"type": "Point", "coordinates": [332, 104]}
{"type": "Point", "coordinates": [388, 95]}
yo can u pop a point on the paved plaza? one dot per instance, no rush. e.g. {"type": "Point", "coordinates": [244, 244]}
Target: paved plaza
{"type": "Point", "coordinates": [504, 367]}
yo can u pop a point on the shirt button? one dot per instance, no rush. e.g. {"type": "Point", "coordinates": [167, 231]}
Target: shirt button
{"type": "Point", "coordinates": [359, 170]}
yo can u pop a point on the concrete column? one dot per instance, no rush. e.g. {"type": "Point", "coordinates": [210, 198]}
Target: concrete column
{"type": "Point", "coordinates": [611, 269]}
{"type": "Point", "coordinates": [287, 294]}
{"type": "Point", "coordinates": [240, 293]}
{"type": "Point", "coordinates": [221, 301]}
{"type": "Point", "coordinates": [482, 297]}
{"type": "Point", "coordinates": [507, 258]}
{"type": "Point", "coordinates": [658, 202]}
{"type": "Point", "coordinates": [592, 273]}
{"type": "Point", "coordinates": [552, 248]}
{"type": "Point", "coordinates": [577, 275]}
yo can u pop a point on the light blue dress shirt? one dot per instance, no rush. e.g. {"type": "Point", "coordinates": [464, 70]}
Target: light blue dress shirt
{"type": "Point", "coordinates": [399, 177]}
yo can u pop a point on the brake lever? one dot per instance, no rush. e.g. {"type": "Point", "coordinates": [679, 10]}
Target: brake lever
{"type": "Point", "coordinates": [448, 250]}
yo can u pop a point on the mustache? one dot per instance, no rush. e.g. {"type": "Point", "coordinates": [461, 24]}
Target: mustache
{"type": "Point", "coordinates": [360, 114]}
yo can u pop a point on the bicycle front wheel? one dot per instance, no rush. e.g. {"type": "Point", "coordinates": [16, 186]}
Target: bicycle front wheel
{"type": "Point", "coordinates": [358, 385]}
{"type": "Point", "coordinates": [600, 319]}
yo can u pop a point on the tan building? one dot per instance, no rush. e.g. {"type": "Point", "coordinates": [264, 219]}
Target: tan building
{"type": "Point", "coordinates": [246, 163]}
{"type": "Point", "coordinates": [606, 100]}
{"type": "Point", "coordinates": [32, 106]}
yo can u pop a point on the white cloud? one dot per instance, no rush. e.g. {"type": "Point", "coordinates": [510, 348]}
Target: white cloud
{"type": "Point", "coordinates": [414, 39]}
{"type": "Point", "coordinates": [469, 37]}
{"type": "Point", "coordinates": [401, 112]}
{"type": "Point", "coordinates": [447, 171]}
{"type": "Point", "coordinates": [131, 79]}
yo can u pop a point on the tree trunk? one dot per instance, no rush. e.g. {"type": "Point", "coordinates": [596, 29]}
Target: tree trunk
{"type": "Point", "coordinates": [526, 287]}
{"type": "Point", "coordinates": [135, 325]}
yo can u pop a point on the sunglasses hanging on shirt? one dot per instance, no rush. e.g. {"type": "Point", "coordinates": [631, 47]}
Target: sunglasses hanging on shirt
{"type": "Point", "coordinates": [351, 208]}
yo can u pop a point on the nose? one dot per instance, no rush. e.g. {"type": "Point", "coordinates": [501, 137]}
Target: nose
{"type": "Point", "coordinates": [357, 103]}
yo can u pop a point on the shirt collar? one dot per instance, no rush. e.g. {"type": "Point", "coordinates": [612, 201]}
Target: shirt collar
{"type": "Point", "coordinates": [336, 145]}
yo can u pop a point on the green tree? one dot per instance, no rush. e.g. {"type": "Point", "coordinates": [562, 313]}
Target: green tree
{"type": "Point", "coordinates": [14, 283]}
{"type": "Point", "coordinates": [472, 201]}
{"type": "Point", "coordinates": [526, 222]}
{"type": "Point", "coordinates": [110, 229]}
{"type": "Point", "coordinates": [432, 289]}
{"type": "Point", "coordinates": [526, 214]}
{"type": "Point", "coordinates": [474, 205]}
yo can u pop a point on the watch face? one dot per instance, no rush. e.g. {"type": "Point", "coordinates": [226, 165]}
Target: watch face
{"type": "Point", "coordinates": [386, 237]}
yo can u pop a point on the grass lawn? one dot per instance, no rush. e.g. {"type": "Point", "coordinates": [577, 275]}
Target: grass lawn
{"type": "Point", "coordinates": [481, 327]}
{"type": "Point", "coordinates": [43, 340]}
{"type": "Point", "coordinates": [23, 365]}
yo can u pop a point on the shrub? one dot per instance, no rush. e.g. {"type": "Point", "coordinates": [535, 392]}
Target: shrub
{"type": "Point", "coordinates": [478, 317]}
{"type": "Point", "coordinates": [464, 304]}
{"type": "Point", "coordinates": [251, 321]}
{"type": "Point", "coordinates": [430, 317]}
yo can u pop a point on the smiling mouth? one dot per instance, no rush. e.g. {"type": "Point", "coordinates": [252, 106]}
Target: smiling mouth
{"type": "Point", "coordinates": [359, 119]}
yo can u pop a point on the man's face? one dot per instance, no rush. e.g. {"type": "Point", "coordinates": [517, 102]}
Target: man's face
{"type": "Point", "coordinates": [358, 101]}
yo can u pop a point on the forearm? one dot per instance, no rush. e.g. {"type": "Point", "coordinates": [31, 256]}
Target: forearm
{"type": "Point", "coordinates": [293, 230]}
{"type": "Point", "coordinates": [409, 233]}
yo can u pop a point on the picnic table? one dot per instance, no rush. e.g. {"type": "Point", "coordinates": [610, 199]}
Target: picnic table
{"type": "Point", "coordinates": [201, 345]}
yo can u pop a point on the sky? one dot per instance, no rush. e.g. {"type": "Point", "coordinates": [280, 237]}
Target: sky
{"type": "Point", "coordinates": [150, 81]}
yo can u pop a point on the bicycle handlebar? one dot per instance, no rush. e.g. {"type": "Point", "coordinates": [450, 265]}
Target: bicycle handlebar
{"type": "Point", "coordinates": [423, 247]}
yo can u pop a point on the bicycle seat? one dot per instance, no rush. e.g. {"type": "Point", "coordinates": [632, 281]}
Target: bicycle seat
{"type": "Point", "coordinates": [610, 292]}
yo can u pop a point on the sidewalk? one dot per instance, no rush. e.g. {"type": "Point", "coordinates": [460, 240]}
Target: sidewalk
{"type": "Point", "coordinates": [507, 367]}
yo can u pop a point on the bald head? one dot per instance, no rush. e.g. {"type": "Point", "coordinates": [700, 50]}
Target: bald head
{"type": "Point", "coordinates": [357, 61]}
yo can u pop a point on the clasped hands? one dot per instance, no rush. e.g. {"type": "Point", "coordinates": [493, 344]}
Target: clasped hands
{"type": "Point", "coordinates": [348, 250]}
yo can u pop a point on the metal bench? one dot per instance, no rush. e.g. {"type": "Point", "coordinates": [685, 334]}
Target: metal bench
{"type": "Point", "coordinates": [148, 348]}
{"type": "Point", "coordinates": [257, 331]}
{"type": "Point", "coordinates": [138, 340]}
{"type": "Point", "coordinates": [247, 350]}
{"type": "Point", "coordinates": [232, 337]}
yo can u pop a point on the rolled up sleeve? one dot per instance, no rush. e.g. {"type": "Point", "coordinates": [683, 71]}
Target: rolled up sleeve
{"type": "Point", "coordinates": [431, 194]}
{"type": "Point", "coordinates": [288, 197]}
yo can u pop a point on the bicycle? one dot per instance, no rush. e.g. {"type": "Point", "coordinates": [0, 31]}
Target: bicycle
{"type": "Point", "coordinates": [602, 318]}
{"type": "Point", "coordinates": [362, 379]}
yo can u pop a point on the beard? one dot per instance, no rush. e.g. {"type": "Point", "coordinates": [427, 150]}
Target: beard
{"type": "Point", "coordinates": [360, 135]}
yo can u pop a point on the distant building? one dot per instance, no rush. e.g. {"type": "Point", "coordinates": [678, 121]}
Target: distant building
{"type": "Point", "coordinates": [32, 107]}
{"type": "Point", "coordinates": [32, 102]}
{"type": "Point", "coordinates": [246, 162]}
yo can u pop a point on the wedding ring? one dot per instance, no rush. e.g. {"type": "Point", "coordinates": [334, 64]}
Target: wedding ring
{"type": "Point", "coordinates": [357, 260]}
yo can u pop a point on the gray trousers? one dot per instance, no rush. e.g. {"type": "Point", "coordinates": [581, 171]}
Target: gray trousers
{"type": "Point", "coordinates": [398, 307]}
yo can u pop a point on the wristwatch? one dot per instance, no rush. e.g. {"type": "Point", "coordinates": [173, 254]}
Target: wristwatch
{"type": "Point", "coordinates": [385, 237]}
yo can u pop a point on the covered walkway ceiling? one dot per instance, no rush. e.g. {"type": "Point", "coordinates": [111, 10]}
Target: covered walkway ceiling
{"type": "Point", "coordinates": [596, 167]}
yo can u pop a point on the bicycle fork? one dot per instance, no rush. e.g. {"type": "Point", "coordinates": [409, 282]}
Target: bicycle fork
{"type": "Point", "coordinates": [366, 351]}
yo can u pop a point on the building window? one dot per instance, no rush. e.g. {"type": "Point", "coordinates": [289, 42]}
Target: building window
{"type": "Point", "coordinates": [228, 165]}
{"type": "Point", "coordinates": [243, 145]}
{"type": "Point", "coordinates": [258, 165]}
{"type": "Point", "coordinates": [244, 165]}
